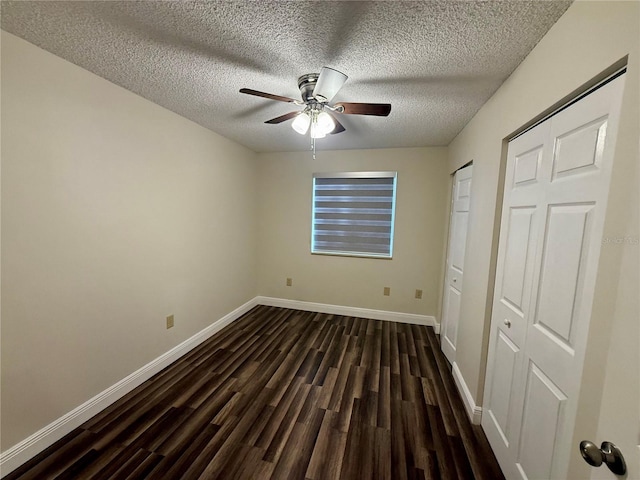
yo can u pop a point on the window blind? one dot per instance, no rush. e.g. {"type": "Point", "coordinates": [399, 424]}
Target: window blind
{"type": "Point", "coordinates": [353, 213]}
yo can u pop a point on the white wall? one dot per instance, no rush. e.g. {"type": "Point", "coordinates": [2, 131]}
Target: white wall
{"type": "Point", "coordinates": [115, 213]}
{"type": "Point", "coordinates": [421, 215]}
{"type": "Point", "coordinates": [588, 39]}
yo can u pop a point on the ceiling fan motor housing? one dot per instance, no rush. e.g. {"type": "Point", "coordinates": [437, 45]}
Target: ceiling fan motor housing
{"type": "Point", "coordinates": [306, 84]}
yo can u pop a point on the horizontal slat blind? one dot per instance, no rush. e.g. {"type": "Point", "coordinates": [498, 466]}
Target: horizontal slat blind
{"type": "Point", "coordinates": [353, 213]}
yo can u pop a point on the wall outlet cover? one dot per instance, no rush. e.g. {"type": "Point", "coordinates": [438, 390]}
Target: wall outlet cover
{"type": "Point", "coordinates": [170, 321]}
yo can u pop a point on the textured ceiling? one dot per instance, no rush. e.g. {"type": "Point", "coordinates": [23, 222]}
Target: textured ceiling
{"type": "Point", "coordinates": [436, 62]}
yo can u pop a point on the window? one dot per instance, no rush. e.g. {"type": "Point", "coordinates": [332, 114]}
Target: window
{"type": "Point", "coordinates": [353, 213]}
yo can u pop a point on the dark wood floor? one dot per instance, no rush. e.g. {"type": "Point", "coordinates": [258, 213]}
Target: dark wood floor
{"type": "Point", "coordinates": [290, 395]}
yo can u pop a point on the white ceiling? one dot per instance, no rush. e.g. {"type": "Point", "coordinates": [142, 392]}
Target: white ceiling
{"type": "Point", "coordinates": [436, 62]}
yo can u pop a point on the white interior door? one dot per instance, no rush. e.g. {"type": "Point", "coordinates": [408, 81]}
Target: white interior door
{"type": "Point", "coordinates": [556, 187]}
{"type": "Point", "coordinates": [460, 203]}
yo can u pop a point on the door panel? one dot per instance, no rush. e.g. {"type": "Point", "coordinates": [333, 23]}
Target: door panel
{"type": "Point", "coordinates": [563, 255]}
{"type": "Point", "coordinates": [527, 166]}
{"type": "Point", "coordinates": [506, 359]}
{"type": "Point", "coordinates": [518, 240]}
{"type": "Point", "coordinates": [463, 189]}
{"type": "Point", "coordinates": [535, 456]}
{"type": "Point", "coordinates": [556, 187]}
{"type": "Point", "coordinates": [461, 201]}
{"type": "Point", "coordinates": [459, 238]}
{"type": "Point", "coordinates": [579, 150]}
{"type": "Point", "coordinates": [453, 310]}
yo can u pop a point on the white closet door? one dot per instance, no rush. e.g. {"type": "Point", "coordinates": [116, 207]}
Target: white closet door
{"type": "Point", "coordinates": [556, 187]}
{"type": "Point", "coordinates": [461, 201]}
{"type": "Point", "coordinates": [512, 295]}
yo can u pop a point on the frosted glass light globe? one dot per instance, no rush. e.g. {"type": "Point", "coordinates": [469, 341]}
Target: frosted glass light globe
{"type": "Point", "coordinates": [325, 123]}
{"type": "Point", "coordinates": [301, 123]}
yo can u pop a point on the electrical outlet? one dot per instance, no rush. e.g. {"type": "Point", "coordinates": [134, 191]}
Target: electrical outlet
{"type": "Point", "coordinates": [170, 321]}
{"type": "Point", "coordinates": [289, 282]}
{"type": "Point", "coordinates": [387, 291]}
{"type": "Point", "coordinates": [418, 294]}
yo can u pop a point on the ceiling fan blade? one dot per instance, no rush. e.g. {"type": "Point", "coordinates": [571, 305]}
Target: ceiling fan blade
{"type": "Point", "coordinates": [283, 118]}
{"type": "Point", "coordinates": [328, 84]}
{"type": "Point", "coordinates": [339, 128]}
{"type": "Point", "coordinates": [270, 96]}
{"type": "Point", "coordinates": [379, 109]}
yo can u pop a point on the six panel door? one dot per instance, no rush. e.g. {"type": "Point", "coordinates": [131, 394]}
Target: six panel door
{"type": "Point", "coordinates": [461, 201]}
{"type": "Point", "coordinates": [556, 188]}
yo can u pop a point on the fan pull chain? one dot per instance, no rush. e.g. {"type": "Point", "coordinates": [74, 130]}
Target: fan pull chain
{"type": "Point", "coordinates": [313, 147]}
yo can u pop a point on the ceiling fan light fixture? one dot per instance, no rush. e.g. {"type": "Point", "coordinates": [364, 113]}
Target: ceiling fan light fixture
{"type": "Point", "coordinates": [301, 123]}
{"type": "Point", "coordinates": [325, 123]}
{"type": "Point", "coordinates": [317, 132]}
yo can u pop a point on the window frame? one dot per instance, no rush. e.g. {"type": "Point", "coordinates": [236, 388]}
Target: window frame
{"type": "Point", "coordinates": [347, 175]}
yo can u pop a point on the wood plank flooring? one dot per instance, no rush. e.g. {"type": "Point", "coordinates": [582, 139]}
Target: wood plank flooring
{"type": "Point", "coordinates": [285, 394]}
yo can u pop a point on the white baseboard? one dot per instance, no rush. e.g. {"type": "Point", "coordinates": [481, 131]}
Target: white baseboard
{"type": "Point", "coordinates": [47, 436]}
{"type": "Point", "coordinates": [474, 411]}
{"type": "Point", "coordinates": [427, 320]}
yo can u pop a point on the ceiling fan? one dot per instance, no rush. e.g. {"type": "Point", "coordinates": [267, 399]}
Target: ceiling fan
{"type": "Point", "coordinates": [317, 90]}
